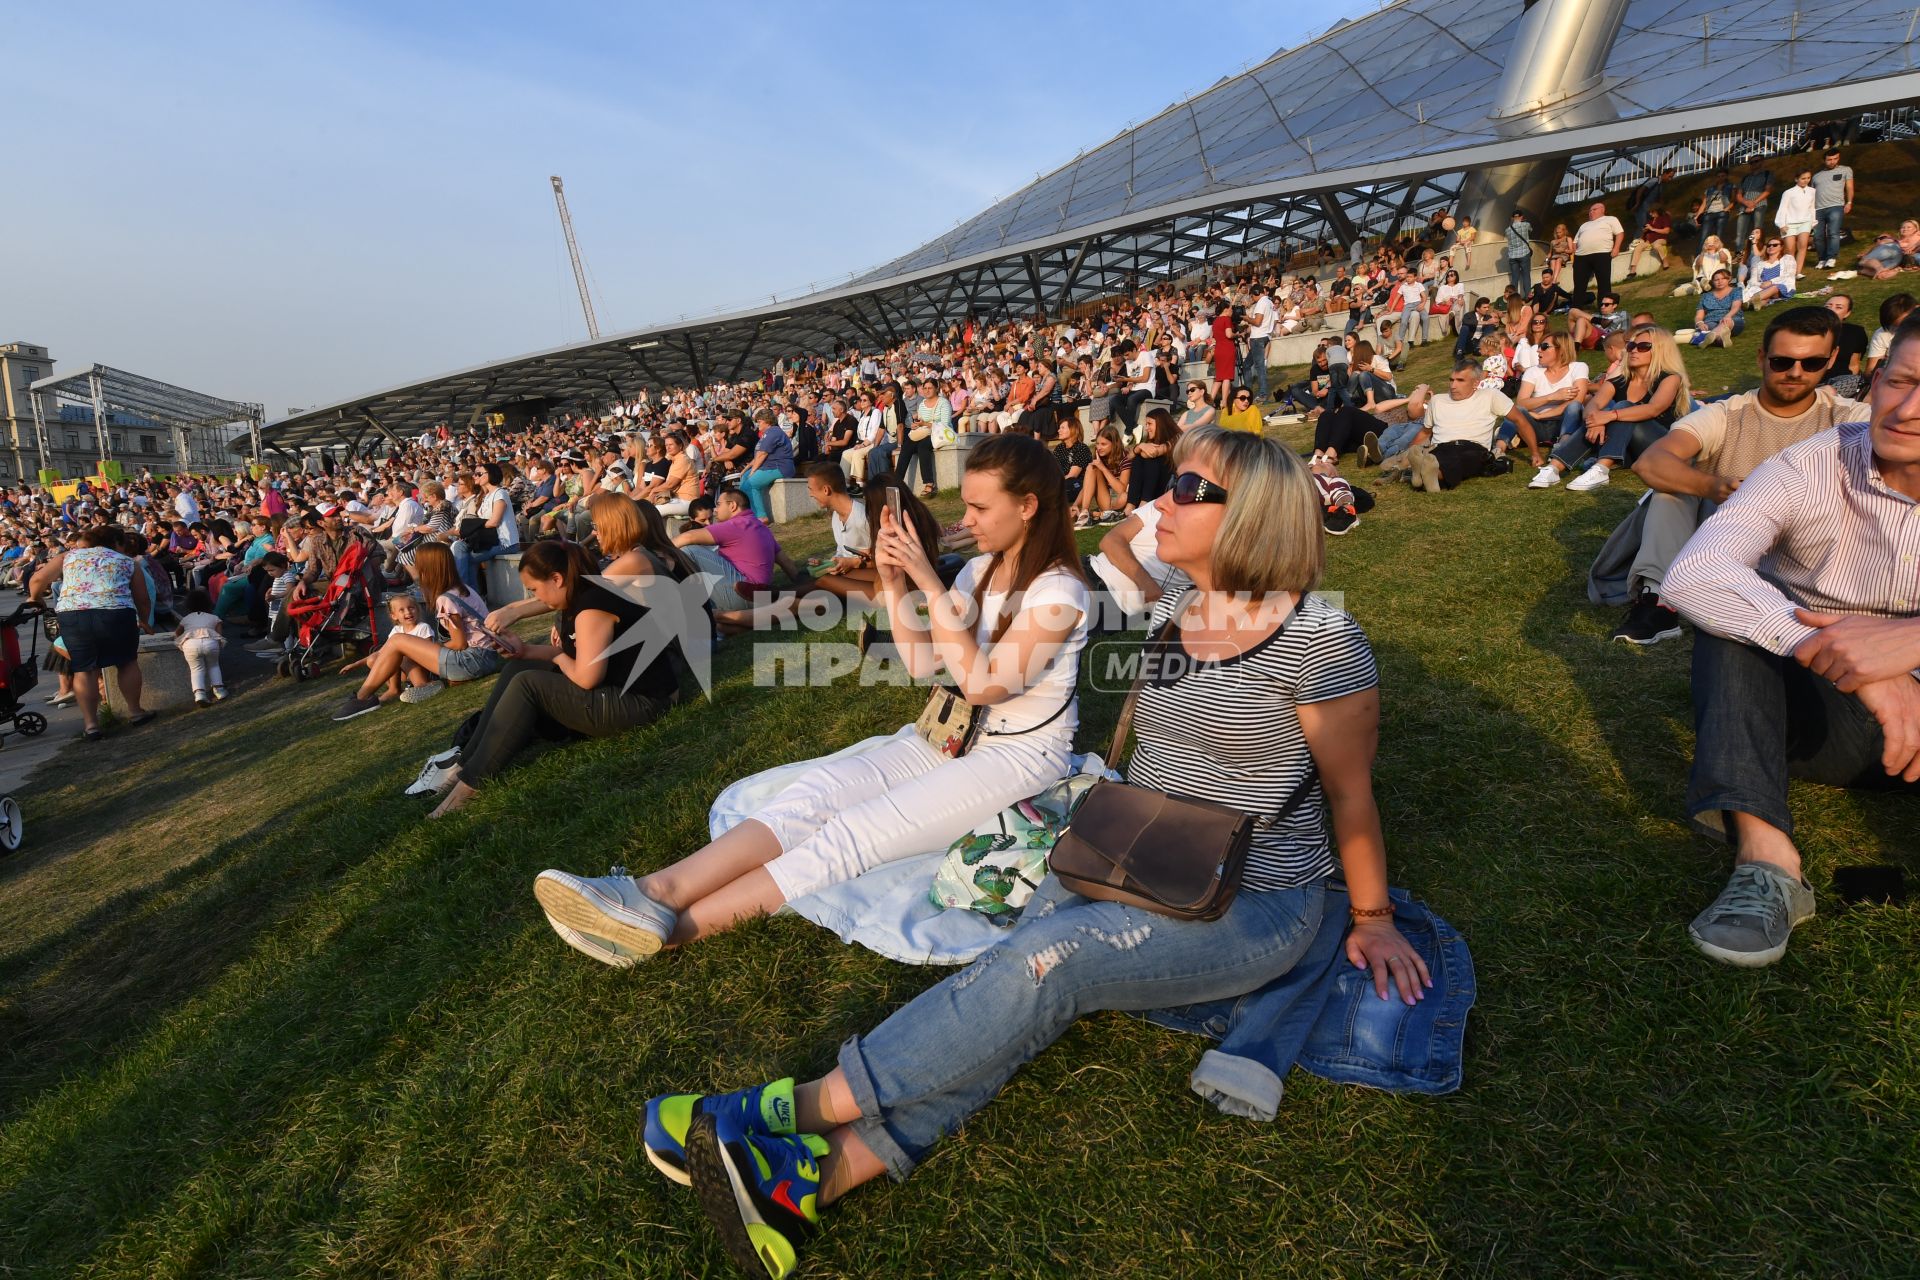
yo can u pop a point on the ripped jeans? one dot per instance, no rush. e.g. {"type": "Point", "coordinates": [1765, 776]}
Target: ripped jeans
{"type": "Point", "coordinates": [933, 1063]}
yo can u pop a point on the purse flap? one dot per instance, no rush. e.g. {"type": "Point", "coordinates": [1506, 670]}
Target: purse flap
{"type": "Point", "coordinates": [1170, 848]}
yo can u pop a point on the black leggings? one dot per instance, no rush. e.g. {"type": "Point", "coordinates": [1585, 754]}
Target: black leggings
{"type": "Point", "coordinates": [1340, 429]}
{"type": "Point", "coordinates": [912, 451]}
{"type": "Point", "coordinates": [1148, 478]}
{"type": "Point", "coordinates": [532, 699]}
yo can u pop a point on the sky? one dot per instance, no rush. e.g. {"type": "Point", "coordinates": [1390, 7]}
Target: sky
{"type": "Point", "coordinates": [293, 203]}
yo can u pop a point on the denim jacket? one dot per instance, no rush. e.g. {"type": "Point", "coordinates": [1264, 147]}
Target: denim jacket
{"type": "Point", "coordinates": [1324, 1015]}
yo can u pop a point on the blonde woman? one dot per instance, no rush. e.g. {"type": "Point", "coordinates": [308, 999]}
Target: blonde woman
{"type": "Point", "coordinates": [1713, 256]}
{"type": "Point", "coordinates": [1633, 408]}
{"type": "Point", "coordinates": [1282, 686]}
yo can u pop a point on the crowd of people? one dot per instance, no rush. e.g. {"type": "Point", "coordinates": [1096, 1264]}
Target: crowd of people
{"type": "Point", "coordinates": [1777, 522]}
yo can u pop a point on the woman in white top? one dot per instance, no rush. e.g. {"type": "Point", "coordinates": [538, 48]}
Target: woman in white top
{"type": "Point", "coordinates": [1129, 564]}
{"type": "Point", "coordinates": [1008, 633]}
{"type": "Point", "coordinates": [470, 651]}
{"type": "Point", "coordinates": [1771, 276]}
{"type": "Point", "coordinates": [1450, 302]}
{"type": "Point", "coordinates": [1552, 395]}
{"type": "Point", "coordinates": [1795, 218]}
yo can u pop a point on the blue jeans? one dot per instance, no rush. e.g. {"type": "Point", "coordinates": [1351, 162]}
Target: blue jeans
{"type": "Point", "coordinates": [917, 1076]}
{"type": "Point", "coordinates": [1518, 271]}
{"type": "Point", "coordinates": [1413, 325]}
{"type": "Point", "coordinates": [1760, 719]}
{"type": "Point", "coordinates": [1257, 357]}
{"type": "Point", "coordinates": [1550, 424]}
{"type": "Point", "coordinates": [1398, 438]}
{"type": "Point", "coordinates": [1712, 224]}
{"type": "Point", "coordinates": [467, 563]}
{"type": "Point", "coordinates": [1826, 232]}
{"type": "Point", "coordinates": [755, 485]}
{"type": "Point", "coordinates": [1574, 444]}
{"type": "Point", "coordinates": [1747, 222]}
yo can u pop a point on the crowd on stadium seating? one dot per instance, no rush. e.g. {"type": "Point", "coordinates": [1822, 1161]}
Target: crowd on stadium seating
{"type": "Point", "coordinates": [1774, 522]}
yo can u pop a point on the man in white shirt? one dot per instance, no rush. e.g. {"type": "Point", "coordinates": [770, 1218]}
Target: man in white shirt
{"type": "Point", "coordinates": [187, 504]}
{"type": "Point", "coordinates": [1456, 441]}
{"type": "Point", "coordinates": [1262, 316]}
{"type": "Point", "coordinates": [1595, 245]}
{"type": "Point", "coordinates": [408, 514]}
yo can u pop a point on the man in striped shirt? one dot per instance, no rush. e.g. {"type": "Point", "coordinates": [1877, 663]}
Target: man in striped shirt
{"type": "Point", "coordinates": [1806, 589]}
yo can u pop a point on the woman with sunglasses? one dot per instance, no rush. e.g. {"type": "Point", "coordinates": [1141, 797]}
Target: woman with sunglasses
{"type": "Point", "coordinates": [1633, 408]}
{"type": "Point", "coordinates": [1199, 411]}
{"type": "Point", "coordinates": [1241, 415]}
{"type": "Point", "coordinates": [1770, 275]}
{"type": "Point", "coordinates": [1276, 686]}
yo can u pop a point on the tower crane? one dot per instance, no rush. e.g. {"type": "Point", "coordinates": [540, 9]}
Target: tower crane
{"type": "Point", "coordinates": [573, 252]}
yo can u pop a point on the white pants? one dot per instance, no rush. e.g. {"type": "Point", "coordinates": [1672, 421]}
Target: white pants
{"type": "Point", "coordinates": [855, 460]}
{"type": "Point", "coordinates": [203, 665]}
{"type": "Point", "coordinates": [845, 816]}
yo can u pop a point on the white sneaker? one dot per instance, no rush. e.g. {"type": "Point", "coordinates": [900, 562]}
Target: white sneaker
{"type": "Point", "coordinates": [1545, 478]}
{"type": "Point", "coordinates": [1593, 477]}
{"type": "Point", "coordinates": [435, 779]}
{"type": "Point", "coordinates": [608, 908]}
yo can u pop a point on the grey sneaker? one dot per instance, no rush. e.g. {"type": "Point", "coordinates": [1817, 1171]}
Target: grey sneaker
{"type": "Point", "coordinates": [609, 908]}
{"type": "Point", "coordinates": [1751, 920]}
{"type": "Point", "coordinates": [414, 694]}
{"type": "Point", "coordinates": [1370, 449]}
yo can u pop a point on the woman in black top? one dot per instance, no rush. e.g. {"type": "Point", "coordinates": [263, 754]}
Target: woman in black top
{"type": "Point", "coordinates": [581, 683]}
{"type": "Point", "coordinates": [1072, 454]}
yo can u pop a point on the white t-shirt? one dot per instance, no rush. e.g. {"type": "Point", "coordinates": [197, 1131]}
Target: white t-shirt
{"type": "Point", "coordinates": [1476, 418]}
{"type": "Point", "coordinates": [1145, 547]}
{"type": "Point", "coordinates": [1538, 382]}
{"type": "Point", "coordinates": [509, 531]}
{"type": "Point", "coordinates": [1525, 355]}
{"type": "Point", "coordinates": [1412, 293]}
{"type": "Point", "coordinates": [851, 534]}
{"type": "Point", "coordinates": [1056, 682]}
{"type": "Point", "coordinates": [1263, 316]}
{"type": "Point", "coordinates": [187, 506]}
{"type": "Point", "coordinates": [1597, 235]}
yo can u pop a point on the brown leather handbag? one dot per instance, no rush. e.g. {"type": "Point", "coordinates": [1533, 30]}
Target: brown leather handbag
{"type": "Point", "coordinates": [1170, 854]}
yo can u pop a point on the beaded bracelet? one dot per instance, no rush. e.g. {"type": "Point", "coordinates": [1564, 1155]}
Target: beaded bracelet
{"type": "Point", "coordinates": [1369, 913]}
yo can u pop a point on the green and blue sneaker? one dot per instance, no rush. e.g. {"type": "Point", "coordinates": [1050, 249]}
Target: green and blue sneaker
{"type": "Point", "coordinates": [761, 1191]}
{"type": "Point", "coordinates": [765, 1108]}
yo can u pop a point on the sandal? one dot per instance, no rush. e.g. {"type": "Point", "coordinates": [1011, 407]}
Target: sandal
{"type": "Point", "coordinates": [927, 491]}
{"type": "Point", "coordinates": [145, 717]}
{"type": "Point", "coordinates": [92, 735]}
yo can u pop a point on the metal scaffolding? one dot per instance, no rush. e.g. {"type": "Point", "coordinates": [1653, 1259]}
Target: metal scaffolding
{"type": "Point", "coordinates": [201, 426]}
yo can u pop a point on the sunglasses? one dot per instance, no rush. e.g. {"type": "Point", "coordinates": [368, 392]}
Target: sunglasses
{"type": "Point", "coordinates": [1190, 487]}
{"type": "Point", "coordinates": [1239, 398]}
{"type": "Point", "coordinates": [1639, 346]}
{"type": "Point", "coordinates": [1811, 364]}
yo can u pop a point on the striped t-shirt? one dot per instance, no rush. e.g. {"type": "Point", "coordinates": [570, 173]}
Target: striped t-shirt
{"type": "Point", "coordinates": [1229, 732]}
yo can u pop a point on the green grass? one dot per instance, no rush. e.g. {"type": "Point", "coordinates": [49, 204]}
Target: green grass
{"type": "Point", "coordinates": [258, 1018]}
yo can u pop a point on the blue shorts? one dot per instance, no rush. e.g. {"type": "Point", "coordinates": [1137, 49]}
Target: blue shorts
{"type": "Point", "coordinates": [460, 665]}
{"type": "Point", "coordinates": [99, 638]}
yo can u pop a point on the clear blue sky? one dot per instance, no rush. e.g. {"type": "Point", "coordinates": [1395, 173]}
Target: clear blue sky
{"type": "Point", "coordinates": [297, 202]}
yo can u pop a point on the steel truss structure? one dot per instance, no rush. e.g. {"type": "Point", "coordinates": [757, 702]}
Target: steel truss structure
{"type": "Point", "coordinates": [198, 423]}
{"type": "Point", "coordinates": [1355, 134]}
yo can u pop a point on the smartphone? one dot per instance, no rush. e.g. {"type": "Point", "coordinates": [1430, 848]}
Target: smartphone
{"type": "Point", "coordinates": [894, 508]}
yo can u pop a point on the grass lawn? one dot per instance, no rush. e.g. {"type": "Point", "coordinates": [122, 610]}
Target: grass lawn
{"type": "Point", "coordinates": [258, 1018]}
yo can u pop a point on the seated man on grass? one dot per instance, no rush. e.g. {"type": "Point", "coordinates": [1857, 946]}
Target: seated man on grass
{"type": "Point", "coordinates": [737, 554]}
{"type": "Point", "coordinates": [1456, 438]}
{"type": "Point", "coordinates": [1808, 606]}
{"type": "Point", "coordinates": [1699, 463]}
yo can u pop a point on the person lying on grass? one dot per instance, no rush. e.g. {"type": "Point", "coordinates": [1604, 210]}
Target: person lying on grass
{"type": "Point", "coordinates": [1008, 633]}
{"type": "Point", "coordinates": [582, 682]}
{"type": "Point", "coordinates": [1283, 694]}
{"type": "Point", "coordinates": [469, 652]}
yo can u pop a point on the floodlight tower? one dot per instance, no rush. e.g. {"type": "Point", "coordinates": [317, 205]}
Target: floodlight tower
{"type": "Point", "coordinates": [573, 252]}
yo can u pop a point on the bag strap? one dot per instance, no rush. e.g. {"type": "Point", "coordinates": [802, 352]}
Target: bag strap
{"type": "Point", "coordinates": [1125, 723]}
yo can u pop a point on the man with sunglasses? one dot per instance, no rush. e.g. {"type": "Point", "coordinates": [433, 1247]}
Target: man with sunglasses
{"type": "Point", "coordinates": [1807, 595]}
{"type": "Point", "coordinates": [1700, 463]}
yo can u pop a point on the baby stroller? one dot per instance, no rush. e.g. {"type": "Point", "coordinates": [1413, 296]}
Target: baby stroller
{"type": "Point", "coordinates": [342, 615]}
{"type": "Point", "coordinates": [20, 674]}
